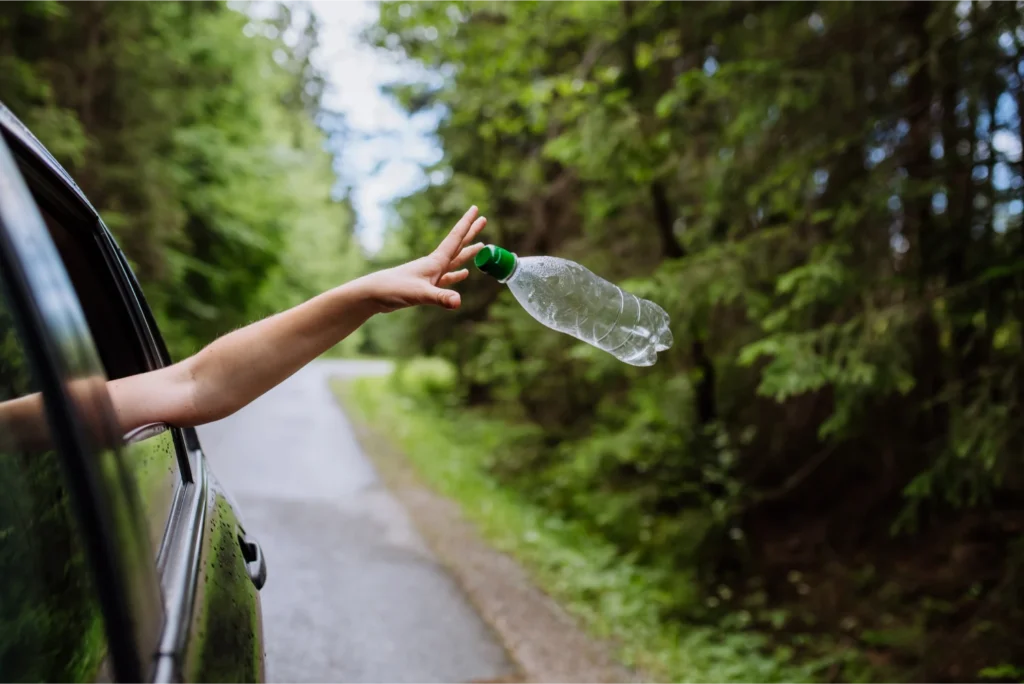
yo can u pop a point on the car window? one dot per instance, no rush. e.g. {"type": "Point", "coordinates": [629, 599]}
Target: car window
{"type": "Point", "coordinates": [150, 453]}
{"type": "Point", "coordinates": [51, 627]}
{"type": "Point", "coordinates": [109, 320]}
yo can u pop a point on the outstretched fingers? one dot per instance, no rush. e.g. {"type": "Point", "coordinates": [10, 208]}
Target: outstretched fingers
{"type": "Point", "coordinates": [449, 247]}
{"type": "Point", "coordinates": [465, 255]}
{"type": "Point", "coordinates": [446, 299]}
{"type": "Point", "coordinates": [474, 230]}
{"type": "Point", "coordinates": [453, 277]}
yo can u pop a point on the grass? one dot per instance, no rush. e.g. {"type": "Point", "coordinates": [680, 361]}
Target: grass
{"type": "Point", "coordinates": [612, 598]}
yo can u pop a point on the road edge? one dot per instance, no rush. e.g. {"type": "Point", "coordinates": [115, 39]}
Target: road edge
{"type": "Point", "coordinates": [541, 638]}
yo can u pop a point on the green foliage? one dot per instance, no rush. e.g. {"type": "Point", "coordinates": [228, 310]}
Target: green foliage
{"type": "Point", "coordinates": [826, 198]}
{"type": "Point", "coordinates": [190, 126]}
{"type": "Point", "coordinates": [616, 598]}
{"type": "Point", "coordinates": [425, 379]}
{"type": "Point", "coordinates": [1002, 673]}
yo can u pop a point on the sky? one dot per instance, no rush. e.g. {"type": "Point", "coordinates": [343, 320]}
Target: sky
{"type": "Point", "coordinates": [384, 153]}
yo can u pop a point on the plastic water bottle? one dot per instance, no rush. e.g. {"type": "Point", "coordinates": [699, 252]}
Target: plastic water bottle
{"type": "Point", "coordinates": [568, 298]}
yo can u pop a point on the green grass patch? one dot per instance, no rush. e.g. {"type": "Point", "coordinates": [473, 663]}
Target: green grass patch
{"type": "Point", "coordinates": [612, 598]}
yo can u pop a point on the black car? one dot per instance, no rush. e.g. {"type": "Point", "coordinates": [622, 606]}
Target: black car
{"type": "Point", "coordinates": [121, 558]}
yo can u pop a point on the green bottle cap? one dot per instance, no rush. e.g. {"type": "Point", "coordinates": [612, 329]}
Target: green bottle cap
{"type": "Point", "coordinates": [496, 261]}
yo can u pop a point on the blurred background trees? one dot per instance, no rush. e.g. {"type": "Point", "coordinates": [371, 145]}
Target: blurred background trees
{"type": "Point", "coordinates": [827, 199]}
{"type": "Point", "coordinates": [191, 127]}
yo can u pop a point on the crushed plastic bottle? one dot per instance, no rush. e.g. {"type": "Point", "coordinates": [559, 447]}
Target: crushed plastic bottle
{"type": "Point", "coordinates": [568, 298]}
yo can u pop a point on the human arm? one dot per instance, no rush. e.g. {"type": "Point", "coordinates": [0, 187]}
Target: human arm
{"type": "Point", "coordinates": [242, 365]}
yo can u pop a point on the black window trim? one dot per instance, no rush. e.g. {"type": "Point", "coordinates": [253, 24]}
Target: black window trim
{"type": "Point", "coordinates": [62, 199]}
{"type": "Point", "coordinates": [29, 265]}
{"type": "Point", "coordinates": [180, 551]}
{"type": "Point", "coordinates": [188, 436]}
{"type": "Point", "coordinates": [145, 329]}
{"type": "Point", "coordinates": [177, 564]}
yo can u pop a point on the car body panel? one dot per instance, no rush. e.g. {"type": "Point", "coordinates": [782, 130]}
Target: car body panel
{"type": "Point", "coordinates": [76, 399]}
{"type": "Point", "coordinates": [222, 649]}
{"type": "Point", "coordinates": [189, 577]}
{"type": "Point", "coordinates": [150, 456]}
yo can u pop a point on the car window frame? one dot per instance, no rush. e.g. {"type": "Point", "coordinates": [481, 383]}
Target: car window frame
{"type": "Point", "coordinates": [178, 565]}
{"type": "Point", "coordinates": [148, 332]}
{"type": "Point", "coordinates": [72, 382]}
{"type": "Point", "coordinates": [189, 437]}
{"type": "Point", "coordinates": [179, 556]}
{"type": "Point", "coordinates": [180, 553]}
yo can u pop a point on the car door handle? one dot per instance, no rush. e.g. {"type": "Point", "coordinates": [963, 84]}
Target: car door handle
{"type": "Point", "coordinates": [255, 563]}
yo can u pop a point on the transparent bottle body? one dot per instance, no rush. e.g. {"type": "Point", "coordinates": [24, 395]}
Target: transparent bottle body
{"type": "Point", "coordinates": [571, 299]}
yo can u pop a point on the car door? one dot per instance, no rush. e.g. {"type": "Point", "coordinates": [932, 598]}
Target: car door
{"type": "Point", "coordinates": [208, 560]}
{"type": "Point", "coordinates": [52, 624]}
{"type": "Point", "coordinates": [82, 595]}
{"type": "Point", "coordinates": [207, 568]}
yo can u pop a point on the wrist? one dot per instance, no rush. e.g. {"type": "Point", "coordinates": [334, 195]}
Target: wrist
{"type": "Point", "coordinates": [366, 293]}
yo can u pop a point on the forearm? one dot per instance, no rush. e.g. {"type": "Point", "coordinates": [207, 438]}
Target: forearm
{"type": "Point", "coordinates": [225, 376]}
{"type": "Point", "coordinates": [24, 421]}
{"type": "Point", "coordinates": [239, 367]}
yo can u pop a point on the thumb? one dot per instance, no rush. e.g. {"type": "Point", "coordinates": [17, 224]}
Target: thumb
{"type": "Point", "coordinates": [446, 299]}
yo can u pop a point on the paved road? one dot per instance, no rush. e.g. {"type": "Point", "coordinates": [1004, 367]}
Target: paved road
{"type": "Point", "coordinates": [352, 593]}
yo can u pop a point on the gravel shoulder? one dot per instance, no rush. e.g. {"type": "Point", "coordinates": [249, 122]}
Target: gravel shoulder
{"type": "Point", "coordinates": [543, 640]}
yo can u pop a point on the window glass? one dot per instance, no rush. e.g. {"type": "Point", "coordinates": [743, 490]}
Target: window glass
{"type": "Point", "coordinates": [108, 318]}
{"type": "Point", "coordinates": [149, 453]}
{"type": "Point", "coordinates": [51, 627]}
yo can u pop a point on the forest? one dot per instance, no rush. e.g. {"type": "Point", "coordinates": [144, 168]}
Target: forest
{"type": "Point", "coordinates": [198, 133]}
{"type": "Point", "coordinates": [827, 198]}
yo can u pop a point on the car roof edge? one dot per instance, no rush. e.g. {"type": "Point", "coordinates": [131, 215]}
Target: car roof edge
{"type": "Point", "coordinates": [13, 126]}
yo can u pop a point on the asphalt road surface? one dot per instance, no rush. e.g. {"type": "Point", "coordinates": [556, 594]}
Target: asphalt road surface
{"type": "Point", "coordinates": [352, 593]}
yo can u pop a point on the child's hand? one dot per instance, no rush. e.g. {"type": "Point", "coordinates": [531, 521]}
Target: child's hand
{"type": "Point", "coordinates": [424, 280]}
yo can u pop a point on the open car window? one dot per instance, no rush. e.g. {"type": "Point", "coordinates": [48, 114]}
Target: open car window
{"type": "Point", "coordinates": [113, 332]}
{"type": "Point", "coordinates": [70, 422]}
{"type": "Point", "coordinates": [151, 452]}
